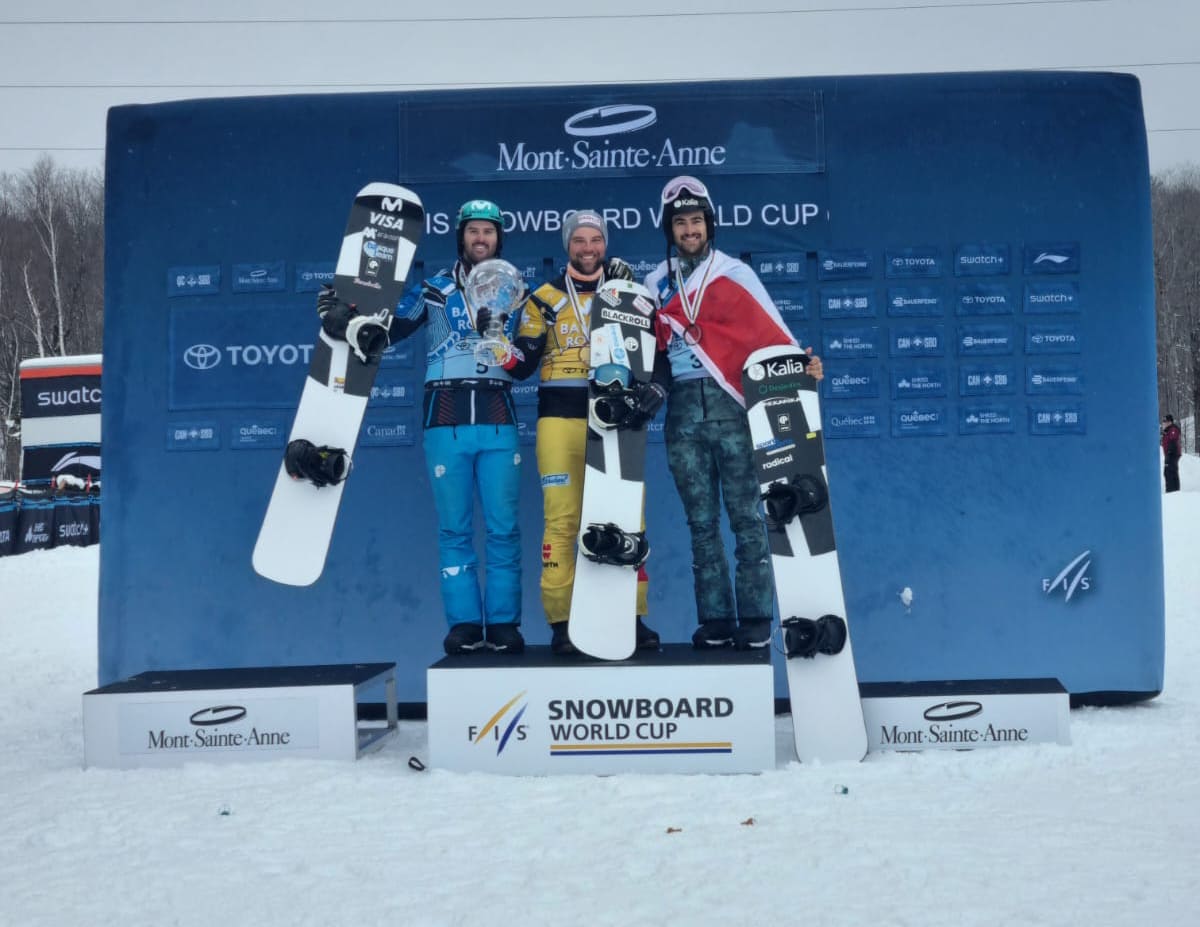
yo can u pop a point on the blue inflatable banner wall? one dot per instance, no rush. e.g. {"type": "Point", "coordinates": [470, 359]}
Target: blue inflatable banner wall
{"type": "Point", "coordinates": [971, 255]}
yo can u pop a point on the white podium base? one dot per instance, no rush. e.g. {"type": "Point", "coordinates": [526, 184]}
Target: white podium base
{"type": "Point", "coordinates": [965, 714]}
{"type": "Point", "coordinates": [166, 718]}
{"type": "Point", "coordinates": [675, 711]}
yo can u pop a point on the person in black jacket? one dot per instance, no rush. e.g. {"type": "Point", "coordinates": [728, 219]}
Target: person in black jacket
{"type": "Point", "coordinates": [1171, 448]}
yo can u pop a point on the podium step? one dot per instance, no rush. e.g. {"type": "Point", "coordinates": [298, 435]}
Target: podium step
{"type": "Point", "coordinates": [169, 717]}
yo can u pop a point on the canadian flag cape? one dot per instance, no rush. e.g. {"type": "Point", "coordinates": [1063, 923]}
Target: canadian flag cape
{"type": "Point", "coordinates": [735, 317]}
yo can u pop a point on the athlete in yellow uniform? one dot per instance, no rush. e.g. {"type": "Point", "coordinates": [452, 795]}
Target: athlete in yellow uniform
{"type": "Point", "coordinates": [553, 335]}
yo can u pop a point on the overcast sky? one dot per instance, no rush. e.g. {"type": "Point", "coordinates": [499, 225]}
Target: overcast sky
{"type": "Point", "coordinates": [63, 64]}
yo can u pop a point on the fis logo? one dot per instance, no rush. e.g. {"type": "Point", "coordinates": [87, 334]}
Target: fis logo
{"type": "Point", "coordinates": [509, 717]}
{"type": "Point", "coordinates": [1073, 578]}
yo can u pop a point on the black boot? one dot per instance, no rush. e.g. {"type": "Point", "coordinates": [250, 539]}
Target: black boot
{"type": "Point", "coordinates": [464, 638]}
{"type": "Point", "coordinates": [505, 638]}
{"type": "Point", "coordinates": [752, 633]}
{"type": "Point", "coordinates": [647, 638]}
{"type": "Point", "coordinates": [560, 640]}
{"type": "Point", "coordinates": [715, 633]}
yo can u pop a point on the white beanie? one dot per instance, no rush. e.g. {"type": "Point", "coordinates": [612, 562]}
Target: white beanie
{"type": "Point", "coordinates": [586, 217]}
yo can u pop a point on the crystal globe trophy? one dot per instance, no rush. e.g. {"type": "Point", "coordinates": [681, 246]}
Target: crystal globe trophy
{"type": "Point", "coordinates": [497, 286]}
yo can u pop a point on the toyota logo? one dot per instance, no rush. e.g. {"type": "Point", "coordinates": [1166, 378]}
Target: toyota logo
{"type": "Point", "coordinates": [219, 714]}
{"type": "Point", "coordinates": [610, 120]}
{"type": "Point", "coordinates": [952, 711]}
{"type": "Point", "coordinates": [202, 356]}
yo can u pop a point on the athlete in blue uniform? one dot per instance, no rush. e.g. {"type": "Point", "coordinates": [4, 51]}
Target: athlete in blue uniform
{"type": "Point", "coordinates": [470, 439]}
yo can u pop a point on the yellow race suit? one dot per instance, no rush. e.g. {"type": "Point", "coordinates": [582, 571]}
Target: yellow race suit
{"type": "Point", "coordinates": [553, 335]}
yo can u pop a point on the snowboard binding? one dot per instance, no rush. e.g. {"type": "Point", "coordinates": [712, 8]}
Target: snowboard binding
{"type": "Point", "coordinates": [321, 466]}
{"type": "Point", "coordinates": [804, 637]}
{"type": "Point", "coordinates": [787, 499]}
{"type": "Point", "coordinates": [609, 544]}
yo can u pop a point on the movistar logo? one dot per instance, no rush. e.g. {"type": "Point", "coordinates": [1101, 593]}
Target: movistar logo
{"type": "Point", "coordinates": [509, 718]}
{"type": "Point", "coordinates": [1073, 578]}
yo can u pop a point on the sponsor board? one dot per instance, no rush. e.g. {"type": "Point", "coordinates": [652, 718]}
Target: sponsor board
{"type": "Point", "coordinates": [917, 340]}
{"type": "Point", "coordinates": [913, 262]}
{"type": "Point", "coordinates": [780, 266]}
{"type": "Point", "coordinates": [167, 718]}
{"type": "Point", "coordinates": [668, 713]}
{"type": "Point", "coordinates": [844, 264]}
{"type": "Point", "coordinates": [981, 260]}
{"type": "Point", "coordinates": [965, 715]}
{"type": "Point", "coordinates": [1054, 257]}
{"type": "Point", "coordinates": [259, 277]}
{"type": "Point", "coordinates": [194, 280]}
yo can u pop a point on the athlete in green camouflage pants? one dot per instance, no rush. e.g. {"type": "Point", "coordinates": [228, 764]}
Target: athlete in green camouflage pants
{"type": "Point", "coordinates": [711, 456]}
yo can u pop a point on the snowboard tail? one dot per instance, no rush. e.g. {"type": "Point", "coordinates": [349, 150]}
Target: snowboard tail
{"type": "Point", "coordinates": [785, 423]}
{"type": "Point", "coordinates": [376, 255]}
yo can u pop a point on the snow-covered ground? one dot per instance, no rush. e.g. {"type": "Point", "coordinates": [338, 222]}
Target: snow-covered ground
{"type": "Point", "coordinates": [1104, 832]}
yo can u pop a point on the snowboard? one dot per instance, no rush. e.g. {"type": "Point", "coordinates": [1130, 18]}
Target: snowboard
{"type": "Point", "coordinates": [785, 424]}
{"type": "Point", "coordinates": [604, 596]}
{"type": "Point", "coordinates": [382, 232]}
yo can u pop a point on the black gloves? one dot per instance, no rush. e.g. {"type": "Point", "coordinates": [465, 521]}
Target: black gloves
{"type": "Point", "coordinates": [650, 397]}
{"type": "Point", "coordinates": [483, 318]}
{"type": "Point", "coordinates": [334, 312]}
{"type": "Point", "coordinates": [616, 269]}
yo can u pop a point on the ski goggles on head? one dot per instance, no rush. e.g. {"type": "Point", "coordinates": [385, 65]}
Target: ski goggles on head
{"type": "Point", "coordinates": [679, 185]}
{"type": "Point", "coordinates": [608, 376]}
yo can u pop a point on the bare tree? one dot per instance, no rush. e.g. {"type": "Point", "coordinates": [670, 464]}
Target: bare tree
{"type": "Point", "coordinates": [51, 277]}
{"type": "Point", "coordinates": [1175, 199]}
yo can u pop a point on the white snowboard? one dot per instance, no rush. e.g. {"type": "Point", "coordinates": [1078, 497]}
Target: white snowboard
{"type": "Point", "coordinates": [377, 251]}
{"type": "Point", "coordinates": [785, 423]}
{"type": "Point", "coordinates": [604, 596]}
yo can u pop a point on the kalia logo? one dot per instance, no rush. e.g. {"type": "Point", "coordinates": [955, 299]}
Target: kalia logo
{"type": "Point", "coordinates": [493, 725]}
{"type": "Point", "coordinates": [1073, 577]}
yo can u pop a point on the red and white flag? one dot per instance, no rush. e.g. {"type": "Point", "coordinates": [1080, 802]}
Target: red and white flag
{"type": "Point", "coordinates": [732, 313]}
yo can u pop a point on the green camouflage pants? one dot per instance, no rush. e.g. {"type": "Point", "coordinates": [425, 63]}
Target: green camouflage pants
{"type": "Point", "coordinates": [711, 457]}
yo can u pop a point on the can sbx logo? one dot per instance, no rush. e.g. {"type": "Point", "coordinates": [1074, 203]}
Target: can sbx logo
{"type": "Point", "coordinates": [502, 727]}
{"type": "Point", "coordinates": [1073, 577]}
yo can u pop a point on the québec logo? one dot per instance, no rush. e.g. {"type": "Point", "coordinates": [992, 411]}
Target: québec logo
{"type": "Point", "coordinates": [509, 717]}
{"type": "Point", "coordinates": [1073, 577]}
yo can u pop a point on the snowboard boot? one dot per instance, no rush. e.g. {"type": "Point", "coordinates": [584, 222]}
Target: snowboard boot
{"type": "Point", "coordinates": [647, 638]}
{"type": "Point", "coordinates": [560, 640]}
{"type": "Point", "coordinates": [505, 638]}
{"type": "Point", "coordinates": [321, 466]}
{"type": "Point", "coordinates": [609, 544]}
{"type": "Point", "coordinates": [714, 633]}
{"type": "Point", "coordinates": [752, 633]}
{"type": "Point", "coordinates": [803, 637]}
{"type": "Point", "coordinates": [464, 638]}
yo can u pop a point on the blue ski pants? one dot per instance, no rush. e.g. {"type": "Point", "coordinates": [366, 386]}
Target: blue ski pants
{"type": "Point", "coordinates": [458, 459]}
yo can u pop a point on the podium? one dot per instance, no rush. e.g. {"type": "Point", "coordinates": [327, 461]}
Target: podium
{"type": "Point", "coordinates": [678, 710]}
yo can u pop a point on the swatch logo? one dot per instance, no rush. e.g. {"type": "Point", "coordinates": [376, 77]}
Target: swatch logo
{"type": "Point", "coordinates": [503, 726]}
